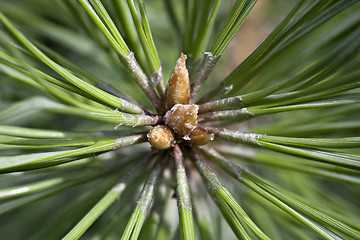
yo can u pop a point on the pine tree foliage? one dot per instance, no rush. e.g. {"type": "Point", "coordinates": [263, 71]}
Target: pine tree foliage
{"type": "Point", "coordinates": [83, 82]}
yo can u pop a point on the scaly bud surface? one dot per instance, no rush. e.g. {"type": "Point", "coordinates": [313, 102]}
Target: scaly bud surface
{"type": "Point", "coordinates": [182, 119]}
{"type": "Point", "coordinates": [178, 88]}
{"type": "Point", "coordinates": [200, 137]}
{"type": "Point", "coordinates": [161, 137]}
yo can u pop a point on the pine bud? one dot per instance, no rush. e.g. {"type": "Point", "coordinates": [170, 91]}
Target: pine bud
{"type": "Point", "coordinates": [161, 137]}
{"type": "Point", "coordinates": [178, 88]}
{"type": "Point", "coordinates": [199, 137]}
{"type": "Point", "coordinates": [182, 119]}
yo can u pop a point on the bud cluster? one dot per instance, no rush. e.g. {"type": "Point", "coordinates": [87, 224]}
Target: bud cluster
{"type": "Point", "coordinates": [181, 118]}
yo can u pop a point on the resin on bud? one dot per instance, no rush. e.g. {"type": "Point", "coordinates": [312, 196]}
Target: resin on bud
{"type": "Point", "coordinates": [182, 119]}
{"type": "Point", "coordinates": [200, 137]}
{"type": "Point", "coordinates": [161, 137]}
{"type": "Point", "coordinates": [178, 88]}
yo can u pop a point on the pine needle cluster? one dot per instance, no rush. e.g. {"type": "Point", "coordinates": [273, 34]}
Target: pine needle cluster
{"type": "Point", "coordinates": [97, 143]}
